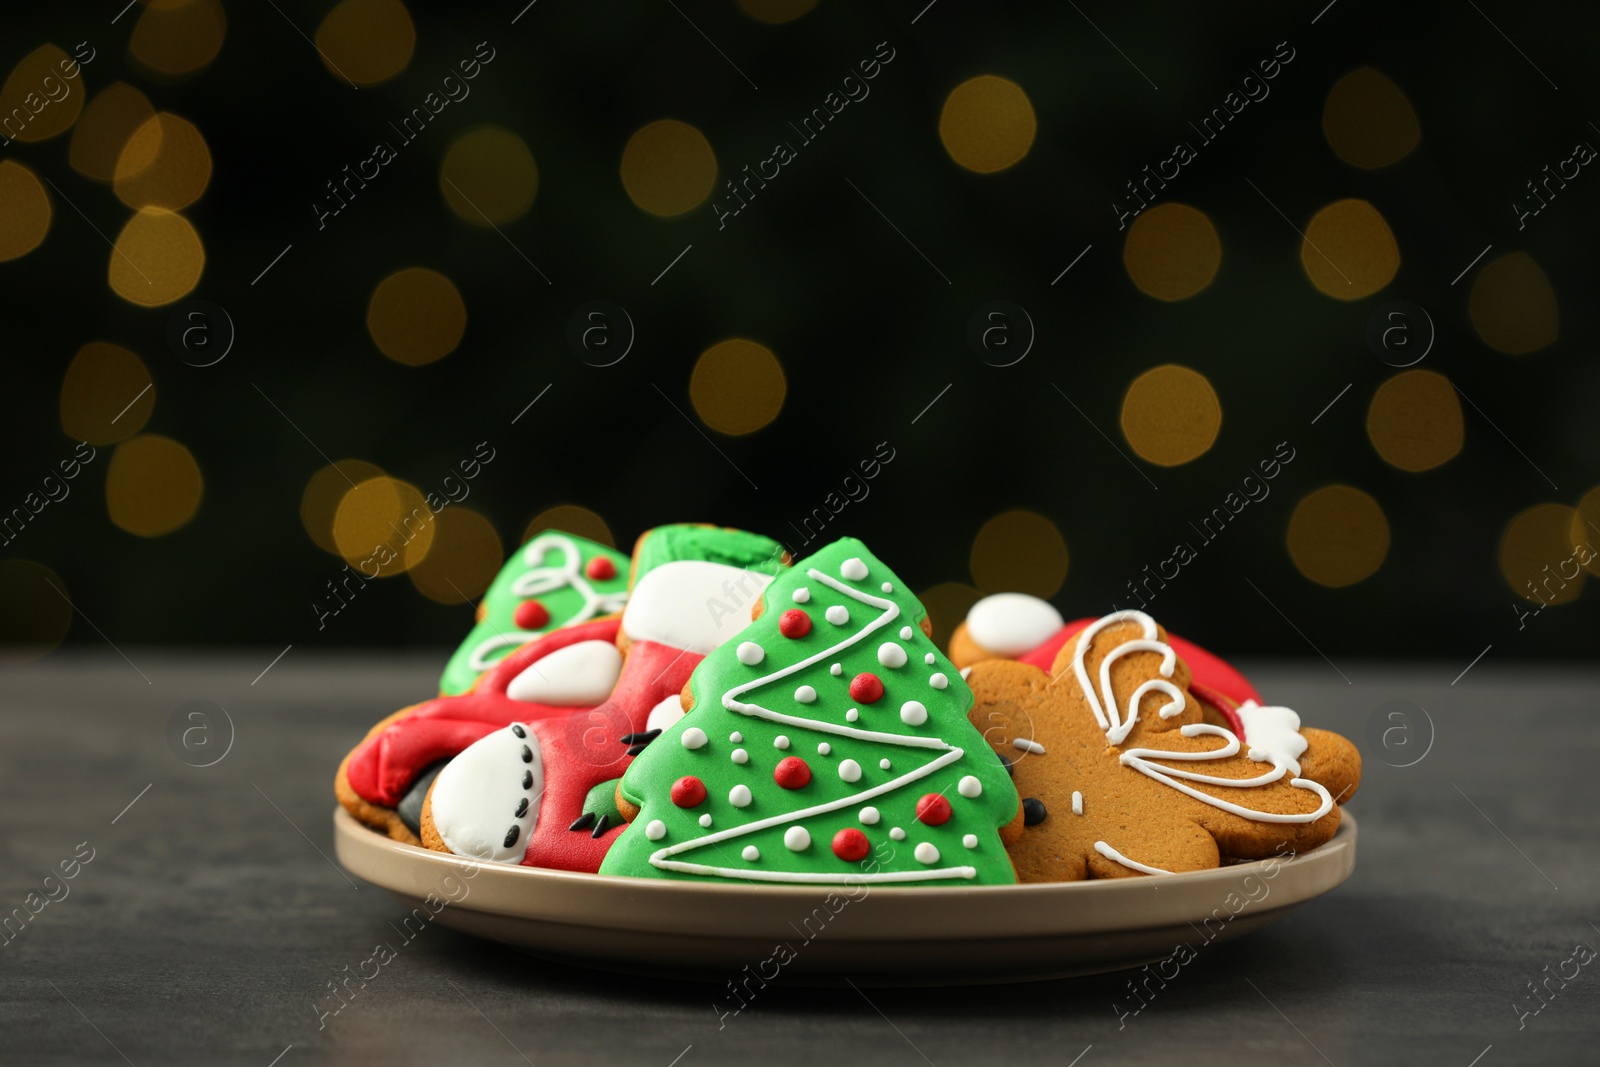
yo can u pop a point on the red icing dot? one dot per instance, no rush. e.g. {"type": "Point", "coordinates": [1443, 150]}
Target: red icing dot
{"type": "Point", "coordinates": [530, 615]}
{"type": "Point", "coordinates": [850, 844]}
{"type": "Point", "coordinates": [600, 568]}
{"type": "Point", "coordinates": [689, 792]}
{"type": "Point", "coordinates": [794, 623]}
{"type": "Point", "coordinates": [866, 688]}
{"type": "Point", "coordinates": [933, 809]}
{"type": "Point", "coordinates": [791, 772]}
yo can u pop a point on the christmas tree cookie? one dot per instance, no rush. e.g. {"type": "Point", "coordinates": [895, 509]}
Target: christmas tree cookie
{"type": "Point", "coordinates": [555, 580]}
{"type": "Point", "coordinates": [828, 742]}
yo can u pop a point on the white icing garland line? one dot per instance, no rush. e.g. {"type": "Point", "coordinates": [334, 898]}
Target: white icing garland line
{"type": "Point", "coordinates": [541, 579]}
{"type": "Point", "coordinates": [1085, 639]}
{"type": "Point", "coordinates": [1112, 854]}
{"type": "Point", "coordinates": [891, 611]}
{"type": "Point", "coordinates": [1139, 760]}
{"type": "Point", "coordinates": [1120, 728]}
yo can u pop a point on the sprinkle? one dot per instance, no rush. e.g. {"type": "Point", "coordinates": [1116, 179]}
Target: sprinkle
{"type": "Point", "coordinates": [928, 659]}
{"type": "Point", "coordinates": [970, 840]}
{"type": "Point", "coordinates": [522, 809]}
{"type": "Point", "coordinates": [750, 653]}
{"type": "Point", "coordinates": [751, 853]}
{"type": "Point", "coordinates": [824, 749]}
{"type": "Point", "coordinates": [739, 796]}
{"type": "Point", "coordinates": [1026, 744]}
{"type": "Point", "coordinates": [868, 816]}
{"type": "Point", "coordinates": [584, 821]}
{"type": "Point", "coordinates": [838, 615]}
{"type": "Point", "coordinates": [905, 633]}
{"type": "Point", "coordinates": [634, 750]}
{"type": "Point", "coordinates": [527, 754]}
{"type": "Point", "coordinates": [656, 830]}
{"type": "Point", "coordinates": [898, 834]}
{"type": "Point", "coordinates": [938, 681]}
{"type": "Point", "coordinates": [850, 771]}
{"type": "Point", "coordinates": [891, 655]}
{"type": "Point", "coordinates": [527, 779]}
{"type": "Point", "coordinates": [604, 824]}
{"type": "Point", "coordinates": [780, 742]}
{"type": "Point", "coordinates": [885, 764]}
{"type": "Point", "coordinates": [805, 695]}
{"type": "Point", "coordinates": [926, 853]}
{"type": "Point", "coordinates": [802, 595]}
{"type": "Point", "coordinates": [693, 737]}
{"type": "Point", "coordinates": [913, 713]}
{"type": "Point", "coordinates": [519, 731]}
{"type": "Point", "coordinates": [797, 838]}
{"type": "Point", "coordinates": [639, 739]}
{"type": "Point", "coordinates": [888, 587]}
{"type": "Point", "coordinates": [1077, 802]}
{"type": "Point", "coordinates": [705, 820]}
{"type": "Point", "coordinates": [852, 715]}
{"type": "Point", "coordinates": [836, 670]}
{"type": "Point", "coordinates": [739, 755]}
{"type": "Point", "coordinates": [969, 787]}
{"type": "Point", "coordinates": [511, 836]}
{"type": "Point", "coordinates": [853, 569]}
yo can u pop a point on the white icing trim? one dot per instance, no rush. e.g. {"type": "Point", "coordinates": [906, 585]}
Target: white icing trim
{"type": "Point", "coordinates": [477, 793]}
{"type": "Point", "coordinates": [665, 713]}
{"type": "Point", "coordinates": [1010, 624]}
{"type": "Point", "coordinates": [1273, 734]}
{"type": "Point", "coordinates": [579, 675]}
{"type": "Point", "coordinates": [1112, 854]}
{"type": "Point", "coordinates": [540, 579]}
{"type": "Point", "coordinates": [691, 604]}
{"type": "Point", "coordinates": [1139, 760]}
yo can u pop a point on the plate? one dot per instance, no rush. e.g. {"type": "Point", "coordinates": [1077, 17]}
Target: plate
{"type": "Point", "coordinates": [820, 935]}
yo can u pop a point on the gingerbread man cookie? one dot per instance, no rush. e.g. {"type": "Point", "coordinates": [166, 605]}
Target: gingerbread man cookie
{"type": "Point", "coordinates": [1123, 775]}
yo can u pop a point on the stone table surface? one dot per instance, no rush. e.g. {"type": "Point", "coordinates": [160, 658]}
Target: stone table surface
{"type": "Point", "coordinates": [206, 918]}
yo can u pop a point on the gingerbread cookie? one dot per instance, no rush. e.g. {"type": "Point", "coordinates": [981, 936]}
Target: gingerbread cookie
{"type": "Point", "coordinates": [828, 730]}
{"type": "Point", "coordinates": [1124, 775]}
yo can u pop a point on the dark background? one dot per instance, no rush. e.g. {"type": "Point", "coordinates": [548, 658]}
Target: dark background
{"type": "Point", "coordinates": [868, 334]}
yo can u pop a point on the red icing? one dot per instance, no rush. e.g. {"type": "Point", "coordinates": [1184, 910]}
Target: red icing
{"type": "Point", "coordinates": [600, 569]}
{"type": "Point", "coordinates": [791, 772]}
{"type": "Point", "coordinates": [688, 792]}
{"type": "Point", "coordinates": [933, 809]}
{"type": "Point", "coordinates": [866, 688]}
{"type": "Point", "coordinates": [850, 844]}
{"type": "Point", "coordinates": [530, 615]}
{"type": "Point", "coordinates": [1209, 671]}
{"type": "Point", "coordinates": [794, 623]}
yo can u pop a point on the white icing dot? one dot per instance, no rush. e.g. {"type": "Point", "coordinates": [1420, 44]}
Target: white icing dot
{"type": "Point", "coordinates": [802, 595]}
{"type": "Point", "coordinates": [885, 764]}
{"type": "Point", "coordinates": [912, 713]}
{"type": "Point", "coordinates": [739, 796]}
{"type": "Point", "coordinates": [797, 838]}
{"type": "Point", "coordinates": [780, 742]}
{"type": "Point", "coordinates": [852, 715]}
{"type": "Point", "coordinates": [850, 771]}
{"type": "Point", "coordinates": [838, 615]}
{"type": "Point", "coordinates": [891, 655]}
{"type": "Point", "coordinates": [888, 587]}
{"type": "Point", "coordinates": [736, 737]}
{"type": "Point", "coordinates": [750, 653]}
{"type": "Point", "coordinates": [805, 694]}
{"type": "Point", "coordinates": [751, 853]}
{"type": "Point", "coordinates": [868, 816]}
{"type": "Point", "coordinates": [853, 569]}
{"type": "Point", "coordinates": [705, 820]}
{"type": "Point", "coordinates": [970, 840]}
{"type": "Point", "coordinates": [693, 737]}
{"type": "Point", "coordinates": [898, 834]}
{"type": "Point", "coordinates": [1026, 744]}
{"type": "Point", "coordinates": [928, 659]}
{"type": "Point", "coordinates": [656, 830]}
{"type": "Point", "coordinates": [969, 787]}
{"type": "Point", "coordinates": [905, 633]}
{"type": "Point", "coordinates": [836, 670]}
{"type": "Point", "coordinates": [926, 853]}
{"type": "Point", "coordinates": [938, 681]}
{"type": "Point", "coordinates": [739, 755]}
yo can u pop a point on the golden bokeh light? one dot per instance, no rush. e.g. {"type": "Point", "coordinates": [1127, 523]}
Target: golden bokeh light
{"type": "Point", "coordinates": [1349, 251]}
{"type": "Point", "coordinates": [1338, 536]}
{"type": "Point", "coordinates": [416, 316]}
{"type": "Point", "coordinates": [165, 164]}
{"type": "Point", "coordinates": [157, 258]}
{"type": "Point", "coordinates": [367, 41]}
{"type": "Point", "coordinates": [24, 210]}
{"type": "Point", "coordinates": [987, 124]}
{"type": "Point", "coordinates": [1415, 420]}
{"type": "Point", "coordinates": [1513, 307]}
{"type": "Point", "coordinates": [108, 122]}
{"type": "Point", "coordinates": [383, 526]}
{"type": "Point", "coordinates": [38, 100]}
{"type": "Point", "coordinates": [153, 485]}
{"type": "Point", "coordinates": [320, 501]}
{"type": "Point", "coordinates": [106, 394]}
{"type": "Point", "coordinates": [1538, 557]}
{"type": "Point", "coordinates": [34, 610]}
{"type": "Point", "coordinates": [465, 557]}
{"type": "Point", "coordinates": [668, 168]}
{"type": "Point", "coordinates": [737, 387]}
{"type": "Point", "coordinates": [572, 519]}
{"type": "Point", "coordinates": [776, 12]}
{"type": "Point", "coordinates": [1019, 551]}
{"type": "Point", "coordinates": [1171, 415]}
{"type": "Point", "coordinates": [1172, 251]}
{"type": "Point", "coordinates": [1368, 121]}
{"type": "Point", "coordinates": [488, 177]}
{"type": "Point", "coordinates": [947, 604]}
{"type": "Point", "coordinates": [174, 38]}
{"type": "Point", "coordinates": [1586, 530]}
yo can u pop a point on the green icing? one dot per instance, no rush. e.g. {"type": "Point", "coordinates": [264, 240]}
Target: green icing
{"type": "Point", "coordinates": [602, 800]}
{"type": "Point", "coordinates": [714, 544]}
{"type": "Point", "coordinates": [855, 645]}
{"type": "Point", "coordinates": [542, 568]}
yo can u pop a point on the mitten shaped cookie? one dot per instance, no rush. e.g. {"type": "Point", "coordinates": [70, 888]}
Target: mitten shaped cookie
{"type": "Point", "coordinates": [1122, 774]}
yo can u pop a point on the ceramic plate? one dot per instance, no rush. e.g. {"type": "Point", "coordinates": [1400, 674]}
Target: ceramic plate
{"type": "Point", "coordinates": [823, 935]}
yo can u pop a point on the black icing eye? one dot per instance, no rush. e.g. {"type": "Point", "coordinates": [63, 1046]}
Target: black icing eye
{"type": "Point", "coordinates": [1033, 811]}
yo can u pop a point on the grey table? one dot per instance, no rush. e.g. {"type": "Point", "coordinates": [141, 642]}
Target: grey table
{"type": "Point", "coordinates": [210, 921]}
